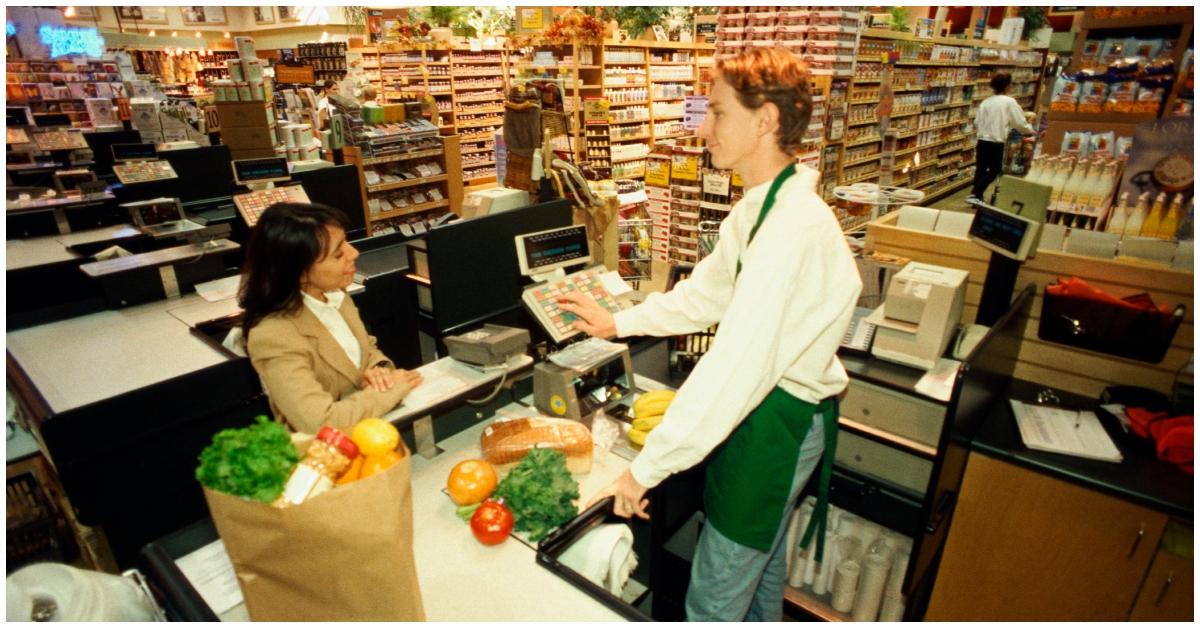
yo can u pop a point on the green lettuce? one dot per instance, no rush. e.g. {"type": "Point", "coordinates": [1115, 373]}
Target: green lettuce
{"type": "Point", "coordinates": [252, 462]}
{"type": "Point", "coordinates": [539, 491]}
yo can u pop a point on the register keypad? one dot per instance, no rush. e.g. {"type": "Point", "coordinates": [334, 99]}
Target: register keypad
{"type": "Point", "coordinates": [252, 204]}
{"type": "Point", "coordinates": [542, 300]}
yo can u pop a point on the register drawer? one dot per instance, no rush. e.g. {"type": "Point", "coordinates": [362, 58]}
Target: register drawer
{"type": "Point", "coordinates": [894, 412]}
{"type": "Point", "coordinates": [880, 461]}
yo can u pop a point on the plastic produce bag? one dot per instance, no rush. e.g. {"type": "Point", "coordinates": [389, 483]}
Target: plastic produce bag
{"type": "Point", "coordinates": [346, 554]}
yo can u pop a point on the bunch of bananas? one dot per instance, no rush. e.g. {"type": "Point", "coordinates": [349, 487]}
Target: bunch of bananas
{"type": "Point", "coordinates": [648, 411]}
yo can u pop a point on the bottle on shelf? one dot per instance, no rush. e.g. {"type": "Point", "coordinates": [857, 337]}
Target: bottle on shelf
{"type": "Point", "coordinates": [1133, 226]}
{"type": "Point", "coordinates": [1170, 220]}
{"type": "Point", "coordinates": [1073, 189]}
{"type": "Point", "coordinates": [1062, 172]}
{"type": "Point", "coordinates": [1154, 217]}
{"type": "Point", "coordinates": [1119, 216]}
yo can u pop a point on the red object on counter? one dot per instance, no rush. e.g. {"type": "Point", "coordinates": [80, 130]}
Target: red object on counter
{"type": "Point", "coordinates": [1173, 436]}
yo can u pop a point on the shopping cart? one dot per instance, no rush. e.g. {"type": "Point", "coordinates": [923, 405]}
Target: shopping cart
{"type": "Point", "coordinates": [686, 350]}
{"type": "Point", "coordinates": [709, 232]}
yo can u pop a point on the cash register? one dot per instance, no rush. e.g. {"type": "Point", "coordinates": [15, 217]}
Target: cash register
{"type": "Point", "coordinates": [261, 175]}
{"type": "Point", "coordinates": [583, 376]}
{"type": "Point", "coordinates": [919, 314]}
{"type": "Point", "coordinates": [139, 163]}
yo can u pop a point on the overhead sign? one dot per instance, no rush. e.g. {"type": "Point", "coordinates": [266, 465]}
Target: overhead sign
{"type": "Point", "coordinates": [303, 74]}
{"type": "Point", "coordinates": [71, 41]}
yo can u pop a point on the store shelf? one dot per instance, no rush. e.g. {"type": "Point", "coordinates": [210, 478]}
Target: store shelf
{"type": "Point", "coordinates": [619, 122]}
{"type": "Point", "coordinates": [671, 117]}
{"type": "Point", "coordinates": [396, 185]}
{"type": "Point", "coordinates": [861, 123]}
{"type": "Point", "coordinates": [617, 160]}
{"type": "Point", "coordinates": [629, 139]}
{"type": "Point", "coordinates": [861, 161]}
{"type": "Point", "coordinates": [479, 164]}
{"type": "Point", "coordinates": [669, 99]}
{"type": "Point", "coordinates": [673, 80]}
{"type": "Point", "coordinates": [371, 161]}
{"type": "Point", "coordinates": [866, 177]}
{"type": "Point", "coordinates": [627, 103]}
{"type": "Point", "coordinates": [672, 136]}
{"type": "Point", "coordinates": [1106, 117]}
{"type": "Point", "coordinates": [852, 144]}
{"type": "Point", "coordinates": [1136, 21]}
{"type": "Point", "coordinates": [938, 64]}
{"type": "Point", "coordinates": [477, 150]}
{"type": "Point", "coordinates": [473, 125]}
{"type": "Point", "coordinates": [414, 209]}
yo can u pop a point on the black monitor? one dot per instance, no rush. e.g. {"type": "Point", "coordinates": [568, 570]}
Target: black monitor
{"type": "Point", "coordinates": [51, 120]}
{"type": "Point", "coordinates": [16, 116]}
{"type": "Point", "coordinates": [473, 264]}
{"type": "Point", "coordinates": [101, 143]}
{"type": "Point", "coordinates": [204, 172]}
{"type": "Point", "coordinates": [265, 170]}
{"type": "Point", "coordinates": [139, 151]}
{"type": "Point", "coordinates": [337, 187]}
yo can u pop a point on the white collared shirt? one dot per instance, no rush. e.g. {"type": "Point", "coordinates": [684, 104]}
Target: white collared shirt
{"type": "Point", "coordinates": [997, 114]}
{"type": "Point", "coordinates": [331, 317]}
{"type": "Point", "coordinates": [780, 324]}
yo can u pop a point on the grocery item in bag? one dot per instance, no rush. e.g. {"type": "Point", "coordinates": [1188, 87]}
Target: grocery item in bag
{"type": "Point", "coordinates": [343, 555]}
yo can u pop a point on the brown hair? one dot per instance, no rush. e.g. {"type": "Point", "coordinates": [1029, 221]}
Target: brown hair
{"type": "Point", "coordinates": [762, 75]}
{"type": "Point", "coordinates": [1000, 82]}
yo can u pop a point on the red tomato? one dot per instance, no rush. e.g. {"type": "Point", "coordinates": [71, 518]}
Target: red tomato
{"type": "Point", "coordinates": [492, 522]}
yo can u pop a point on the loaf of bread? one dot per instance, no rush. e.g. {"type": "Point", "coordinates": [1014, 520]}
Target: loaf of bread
{"type": "Point", "coordinates": [504, 443]}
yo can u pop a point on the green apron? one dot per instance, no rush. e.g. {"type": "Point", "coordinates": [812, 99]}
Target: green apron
{"type": "Point", "coordinates": [749, 479]}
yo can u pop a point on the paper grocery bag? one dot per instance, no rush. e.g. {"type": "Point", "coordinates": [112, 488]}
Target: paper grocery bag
{"type": "Point", "coordinates": [343, 555]}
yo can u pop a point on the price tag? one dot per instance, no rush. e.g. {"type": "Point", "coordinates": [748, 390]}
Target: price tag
{"type": "Point", "coordinates": [716, 183]}
{"type": "Point", "coordinates": [595, 110]}
{"type": "Point", "coordinates": [658, 172]}
{"type": "Point", "coordinates": [685, 167]}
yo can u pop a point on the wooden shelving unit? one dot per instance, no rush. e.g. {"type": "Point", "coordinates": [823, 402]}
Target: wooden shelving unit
{"type": "Point", "coordinates": [448, 184]}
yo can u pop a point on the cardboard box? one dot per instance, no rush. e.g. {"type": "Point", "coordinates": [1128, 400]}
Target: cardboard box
{"type": "Point", "coordinates": [240, 138]}
{"type": "Point", "coordinates": [244, 114]}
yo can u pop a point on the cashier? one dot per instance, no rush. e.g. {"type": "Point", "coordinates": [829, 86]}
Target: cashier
{"type": "Point", "coordinates": [782, 284]}
{"type": "Point", "coordinates": [303, 334]}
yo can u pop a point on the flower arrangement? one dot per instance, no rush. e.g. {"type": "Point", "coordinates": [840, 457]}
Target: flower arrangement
{"type": "Point", "coordinates": [574, 25]}
{"type": "Point", "coordinates": [410, 34]}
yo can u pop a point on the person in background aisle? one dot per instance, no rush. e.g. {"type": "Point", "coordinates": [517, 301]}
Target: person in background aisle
{"type": "Point", "coordinates": [368, 97]}
{"type": "Point", "coordinates": [782, 284]}
{"type": "Point", "coordinates": [996, 115]}
{"type": "Point", "coordinates": [324, 109]}
{"type": "Point", "coordinates": [303, 334]}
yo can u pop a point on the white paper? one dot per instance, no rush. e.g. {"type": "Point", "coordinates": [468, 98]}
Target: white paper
{"type": "Point", "coordinates": [614, 284]}
{"type": "Point", "coordinates": [439, 384]}
{"type": "Point", "coordinates": [219, 289]}
{"type": "Point", "coordinates": [938, 382]}
{"type": "Point", "coordinates": [1064, 431]}
{"type": "Point", "coordinates": [211, 573]}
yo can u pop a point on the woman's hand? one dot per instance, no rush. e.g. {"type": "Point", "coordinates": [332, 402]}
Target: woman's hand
{"type": "Point", "coordinates": [629, 497]}
{"type": "Point", "coordinates": [594, 320]}
{"type": "Point", "coordinates": [411, 379]}
{"type": "Point", "coordinates": [380, 378]}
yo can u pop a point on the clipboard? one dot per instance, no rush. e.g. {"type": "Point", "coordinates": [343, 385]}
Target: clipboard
{"type": "Point", "coordinates": [1062, 431]}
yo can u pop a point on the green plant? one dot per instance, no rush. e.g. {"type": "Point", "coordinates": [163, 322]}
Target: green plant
{"type": "Point", "coordinates": [898, 19]}
{"type": "Point", "coordinates": [1035, 19]}
{"type": "Point", "coordinates": [635, 20]}
{"type": "Point", "coordinates": [356, 18]}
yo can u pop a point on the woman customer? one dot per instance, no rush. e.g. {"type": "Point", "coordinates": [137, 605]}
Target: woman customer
{"type": "Point", "coordinates": [303, 334]}
{"type": "Point", "coordinates": [782, 284]}
{"type": "Point", "coordinates": [997, 114]}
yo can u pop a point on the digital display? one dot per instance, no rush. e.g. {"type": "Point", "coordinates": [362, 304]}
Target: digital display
{"type": "Point", "coordinates": [999, 228]}
{"type": "Point", "coordinates": [131, 152]}
{"type": "Point", "coordinates": [50, 120]}
{"type": "Point", "coordinates": [16, 116]}
{"type": "Point", "coordinates": [155, 212]}
{"type": "Point", "coordinates": [557, 247]}
{"type": "Point", "coordinates": [269, 169]}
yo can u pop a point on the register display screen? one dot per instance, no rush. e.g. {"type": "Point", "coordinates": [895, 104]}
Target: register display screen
{"type": "Point", "coordinates": [155, 212]}
{"type": "Point", "coordinates": [551, 249]}
{"type": "Point", "coordinates": [16, 116]}
{"type": "Point", "coordinates": [999, 229]}
{"type": "Point", "coordinates": [270, 169]}
{"type": "Point", "coordinates": [134, 152]}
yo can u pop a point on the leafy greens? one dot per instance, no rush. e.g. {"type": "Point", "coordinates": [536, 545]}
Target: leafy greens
{"type": "Point", "coordinates": [539, 491]}
{"type": "Point", "coordinates": [252, 462]}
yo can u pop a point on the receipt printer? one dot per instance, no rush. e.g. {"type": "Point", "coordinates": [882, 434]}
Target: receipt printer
{"type": "Point", "coordinates": [919, 314]}
{"type": "Point", "coordinates": [571, 393]}
{"type": "Point", "coordinates": [490, 345]}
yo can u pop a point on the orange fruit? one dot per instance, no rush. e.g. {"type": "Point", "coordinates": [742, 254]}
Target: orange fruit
{"type": "Point", "coordinates": [352, 472]}
{"type": "Point", "coordinates": [375, 436]}
{"type": "Point", "coordinates": [375, 463]}
{"type": "Point", "coordinates": [471, 481]}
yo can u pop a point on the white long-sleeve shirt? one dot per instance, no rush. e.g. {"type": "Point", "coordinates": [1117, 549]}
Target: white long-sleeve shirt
{"type": "Point", "coordinates": [996, 115]}
{"type": "Point", "coordinates": [780, 324]}
{"type": "Point", "coordinates": [330, 315]}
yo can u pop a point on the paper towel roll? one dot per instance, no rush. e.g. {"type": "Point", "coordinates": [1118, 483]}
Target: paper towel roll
{"type": "Point", "coordinates": [847, 525]}
{"type": "Point", "coordinates": [896, 576]}
{"type": "Point", "coordinates": [870, 590]}
{"type": "Point", "coordinates": [825, 574]}
{"type": "Point", "coordinates": [893, 607]}
{"type": "Point", "coordinates": [845, 585]}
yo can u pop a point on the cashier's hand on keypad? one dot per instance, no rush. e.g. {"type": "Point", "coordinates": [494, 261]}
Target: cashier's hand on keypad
{"type": "Point", "coordinates": [594, 320]}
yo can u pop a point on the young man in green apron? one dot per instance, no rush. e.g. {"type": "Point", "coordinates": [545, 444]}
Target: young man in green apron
{"type": "Point", "coordinates": [782, 284]}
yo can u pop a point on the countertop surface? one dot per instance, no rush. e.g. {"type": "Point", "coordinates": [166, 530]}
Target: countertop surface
{"type": "Point", "coordinates": [1141, 477]}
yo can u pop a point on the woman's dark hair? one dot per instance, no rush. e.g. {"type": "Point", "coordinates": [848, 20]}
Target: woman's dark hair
{"type": "Point", "coordinates": [327, 84]}
{"type": "Point", "coordinates": [288, 239]}
{"type": "Point", "coordinates": [1000, 82]}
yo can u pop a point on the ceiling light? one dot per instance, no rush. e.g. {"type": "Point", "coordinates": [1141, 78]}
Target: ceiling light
{"type": "Point", "coordinates": [69, 12]}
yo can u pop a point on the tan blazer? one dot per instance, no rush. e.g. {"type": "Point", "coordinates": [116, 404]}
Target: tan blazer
{"type": "Point", "coordinates": [308, 377]}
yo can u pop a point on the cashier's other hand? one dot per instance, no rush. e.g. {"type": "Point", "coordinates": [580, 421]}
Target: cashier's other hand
{"type": "Point", "coordinates": [594, 320]}
{"type": "Point", "coordinates": [629, 497]}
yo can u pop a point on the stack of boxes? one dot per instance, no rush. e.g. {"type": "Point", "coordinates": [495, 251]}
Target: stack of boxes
{"type": "Point", "coordinates": [658, 204]}
{"type": "Point", "coordinates": [244, 106]}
